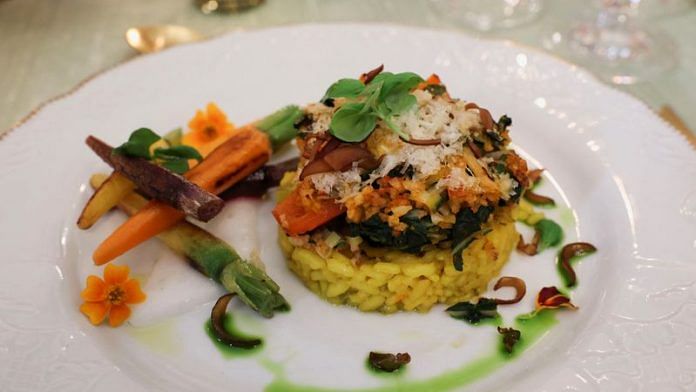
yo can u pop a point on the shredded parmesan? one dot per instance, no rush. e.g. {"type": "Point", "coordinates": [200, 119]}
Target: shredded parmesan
{"type": "Point", "coordinates": [458, 178]}
{"type": "Point", "coordinates": [338, 184]}
{"type": "Point", "coordinates": [321, 117]}
{"type": "Point", "coordinates": [431, 118]}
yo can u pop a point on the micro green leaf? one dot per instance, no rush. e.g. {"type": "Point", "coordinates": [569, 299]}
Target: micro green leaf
{"type": "Point", "coordinates": [386, 96]}
{"type": "Point", "coordinates": [345, 88]}
{"type": "Point", "coordinates": [179, 166]}
{"type": "Point", "coordinates": [138, 144]}
{"type": "Point", "coordinates": [400, 103]}
{"type": "Point", "coordinates": [187, 152]}
{"type": "Point", "coordinates": [176, 158]}
{"type": "Point", "coordinates": [398, 85]}
{"type": "Point", "coordinates": [174, 137]}
{"type": "Point", "coordinates": [351, 123]}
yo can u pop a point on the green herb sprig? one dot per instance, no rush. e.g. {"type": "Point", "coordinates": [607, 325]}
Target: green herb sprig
{"type": "Point", "coordinates": [174, 158]}
{"type": "Point", "coordinates": [384, 97]}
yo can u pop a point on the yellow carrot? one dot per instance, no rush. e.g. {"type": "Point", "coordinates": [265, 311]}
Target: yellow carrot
{"type": "Point", "coordinates": [104, 199]}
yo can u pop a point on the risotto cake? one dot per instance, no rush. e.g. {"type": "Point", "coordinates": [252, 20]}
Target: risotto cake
{"type": "Point", "coordinates": [403, 197]}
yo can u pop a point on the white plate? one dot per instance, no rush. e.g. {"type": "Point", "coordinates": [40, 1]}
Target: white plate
{"type": "Point", "coordinates": [627, 182]}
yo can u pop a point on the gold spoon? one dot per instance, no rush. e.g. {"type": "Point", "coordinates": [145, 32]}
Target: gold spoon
{"type": "Point", "coordinates": [149, 39]}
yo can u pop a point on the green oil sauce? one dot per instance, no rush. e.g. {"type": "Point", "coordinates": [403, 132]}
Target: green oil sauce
{"type": "Point", "coordinates": [566, 217]}
{"type": "Point", "coordinates": [496, 321]}
{"type": "Point", "coordinates": [226, 350]}
{"type": "Point", "coordinates": [160, 338]}
{"type": "Point", "coordinates": [532, 328]}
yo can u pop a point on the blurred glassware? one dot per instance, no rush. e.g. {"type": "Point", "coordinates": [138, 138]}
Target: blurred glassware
{"type": "Point", "coordinates": [614, 46]}
{"type": "Point", "coordinates": [661, 8]}
{"type": "Point", "coordinates": [226, 6]}
{"type": "Point", "coordinates": [487, 15]}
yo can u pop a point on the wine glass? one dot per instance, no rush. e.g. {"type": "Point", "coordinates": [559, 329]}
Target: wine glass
{"type": "Point", "coordinates": [487, 15]}
{"type": "Point", "coordinates": [614, 46]}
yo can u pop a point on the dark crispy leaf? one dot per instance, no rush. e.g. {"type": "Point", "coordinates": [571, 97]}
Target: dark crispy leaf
{"type": "Point", "coordinates": [485, 308]}
{"type": "Point", "coordinates": [510, 338]}
{"type": "Point", "coordinates": [467, 224]}
{"type": "Point", "coordinates": [504, 122]}
{"type": "Point", "coordinates": [388, 362]}
{"type": "Point", "coordinates": [436, 89]}
{"type": "Point", "coordinates": [378, 233]}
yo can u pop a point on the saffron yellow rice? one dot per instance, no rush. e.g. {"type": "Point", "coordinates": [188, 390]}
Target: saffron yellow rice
{"type": "Point", "coordinates": [390, 281]}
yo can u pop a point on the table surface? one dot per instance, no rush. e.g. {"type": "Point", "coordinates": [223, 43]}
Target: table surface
{"type": "Point", "coordinates": [48, 47]}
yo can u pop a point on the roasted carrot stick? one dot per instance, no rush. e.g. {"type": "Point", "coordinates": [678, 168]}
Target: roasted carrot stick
{"type": "Point", "coordinates": [242, 154]}
{"type": "Point", "coordinates": [295, 218]}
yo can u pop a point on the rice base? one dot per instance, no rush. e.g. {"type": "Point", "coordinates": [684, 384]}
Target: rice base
{"type": "Point", "coordinates": [388, 281]}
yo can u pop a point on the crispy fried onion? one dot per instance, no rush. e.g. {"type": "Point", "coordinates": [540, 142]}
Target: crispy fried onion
{"type": "Point", "coordinates": [484, 114]}
{"type": "Point", "coordinates": [422, 142]}
{"type": "Point", "coordinates": [368, 76]}
{"type": "Point", "coordinates": [575, 249]}
{"type": "Point", "coordinates": [514, 282]}
{"type": "Point", "coordinates": [534, 177]}
{"type": "Point", "coordinates": [341, 157]}
{"type": "Point", "coordinates": [217, 317]}
{"type": "Point", "coordinates": [531, 248]}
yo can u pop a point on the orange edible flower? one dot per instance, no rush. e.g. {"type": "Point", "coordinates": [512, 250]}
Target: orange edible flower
{"type": "Point", "coordinates": [111, 296]}
{"type": "Point", "coordinates": [208, 129]}
{"type": "Point", "coordinates": [551, 298]}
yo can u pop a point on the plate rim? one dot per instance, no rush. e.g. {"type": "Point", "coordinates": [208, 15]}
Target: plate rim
{"type": "Point", "coordinates": [408, 30]}
{"type": "Point", "coordinates": [4, 133]}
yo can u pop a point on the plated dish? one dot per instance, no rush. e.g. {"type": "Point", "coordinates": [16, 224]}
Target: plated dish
{"type": "Point", "coordinates": [403, 197]}
{"type": "Point", "coordinates": [167, 345]}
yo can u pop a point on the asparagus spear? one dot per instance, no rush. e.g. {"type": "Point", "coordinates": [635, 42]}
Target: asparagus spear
{"type": "Point", "coordinates": [214, 258]}
{"type": "Point", "coordinates": [280, 126]}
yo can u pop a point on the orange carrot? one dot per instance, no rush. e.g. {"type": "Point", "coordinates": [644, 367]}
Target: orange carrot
{"type": "Point", "coordinates": [432, 79]}
{"type": "Point", "coordinates": [153, 219]}
{"type": "Point", "coordinates": [242, 154]}
{"type": "Point", "coordinates": [296, 218]}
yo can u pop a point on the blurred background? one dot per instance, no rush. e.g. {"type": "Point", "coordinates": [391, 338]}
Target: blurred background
{"type": "Point", "coordinates": [644, 47]}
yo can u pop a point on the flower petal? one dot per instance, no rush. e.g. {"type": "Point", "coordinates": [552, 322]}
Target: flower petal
{"type": "Point", "coordinates": [116, 274]}
{"type": "Point", "coordinates": [95, 290]}
{"type": "Point", "coordinates": [552, 298]}
{"type": "Point", "coordinates": [133, 293]}
{"type": "Point", "coordinates": [119, 314]}
{"type": "Point", "coordinates": [95, 311]}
